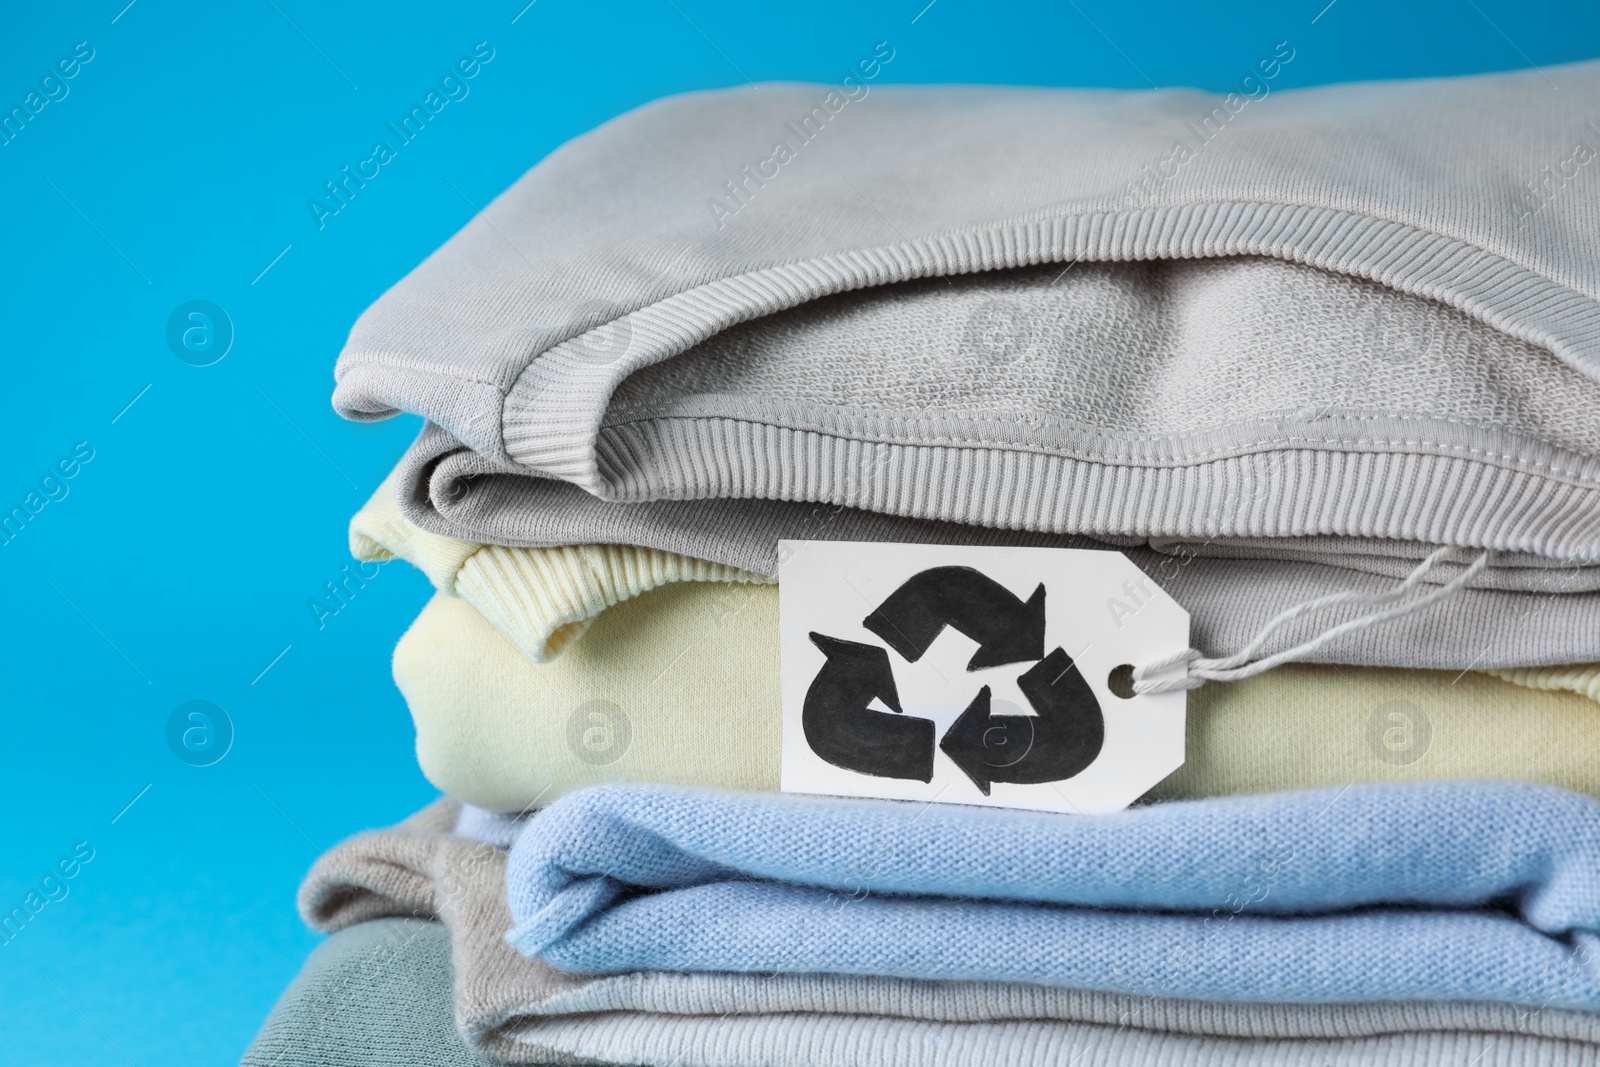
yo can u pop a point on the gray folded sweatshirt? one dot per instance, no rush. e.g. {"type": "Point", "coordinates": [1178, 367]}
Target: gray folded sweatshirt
{"type": "Point", "coordinates": [375, 995]}
{"type": "Point", "coordinates": [1348, 312]}
{"type": "Point", "coordinates": [1524, 611]}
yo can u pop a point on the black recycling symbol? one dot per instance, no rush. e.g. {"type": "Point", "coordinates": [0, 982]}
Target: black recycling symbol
{"type": "Point", "coordinates": [1059, 740]}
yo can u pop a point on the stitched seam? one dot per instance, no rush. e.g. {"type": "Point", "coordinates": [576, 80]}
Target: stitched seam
{"type": "Point", "coordinates": [641, 414]}
{"type": "Point", "coordinates": [1189, 458]}
{"type": "Point", "coordinates": [392, 361]}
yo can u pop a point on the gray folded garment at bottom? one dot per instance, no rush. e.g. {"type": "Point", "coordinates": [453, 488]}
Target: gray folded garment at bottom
{"type": "Point", "coordinates": [374, 995]}
{"type": "Point", "coordinates": [520, 1010]}
{"type": "Point", "coordinates": [1522, 611]}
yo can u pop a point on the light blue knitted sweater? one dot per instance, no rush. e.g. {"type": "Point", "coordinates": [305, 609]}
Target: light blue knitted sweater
{"type": "Point", "coordinates": [1444, 891]}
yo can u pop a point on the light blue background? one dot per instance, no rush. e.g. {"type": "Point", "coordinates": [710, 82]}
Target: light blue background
{"type": "Point", "coordinates": [183, 559]}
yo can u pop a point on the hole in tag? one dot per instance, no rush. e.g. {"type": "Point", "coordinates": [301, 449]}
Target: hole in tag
{"type": "Point", "coordinates": [1120, 681]}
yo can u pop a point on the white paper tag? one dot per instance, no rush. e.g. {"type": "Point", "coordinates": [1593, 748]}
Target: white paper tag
{"type": "Point", "coordinates": [971, 675]}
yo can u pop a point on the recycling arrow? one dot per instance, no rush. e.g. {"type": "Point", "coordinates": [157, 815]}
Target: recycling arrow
{"type": "Point", "coordinates": [840, 728]}
{"type": "Point", "coordinates": [1007, 629]}
{"type": "Point", "coordinates": [1063, 739]}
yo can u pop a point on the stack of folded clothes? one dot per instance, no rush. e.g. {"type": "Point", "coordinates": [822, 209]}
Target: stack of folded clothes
{"type": "Point", "coordinates": [1329, 377]}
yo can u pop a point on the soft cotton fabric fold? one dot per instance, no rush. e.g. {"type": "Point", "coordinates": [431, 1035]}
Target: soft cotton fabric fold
{"type": "Point", "coordinates": [656, 676]}
{"type": "Point", "coordinates": [662, 688]}
{"type": "Point", "coordinates": [587, 554]}
{"type": "Point", "coordinates": [1447, 891]}
{"type": "Point", "coordinates": [1260, 346]}
{"type": "Point", "coordinates": [520, 1010]}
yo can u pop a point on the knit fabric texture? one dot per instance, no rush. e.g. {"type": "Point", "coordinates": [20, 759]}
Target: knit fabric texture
{"type": "Point", "coordinates": [1578, 679]}
{"type": "Point", "coordinates": [378, 994]}
{"type": "Point", "coordinates": [518, 1009]}
{"type": "Point", "coordinates": [374, 995]}
{"type": "Point", "coordinates": [664, 688]}
{"type": "Point", "coordinates": [636, 699]}
{"type": "Point", "coordinates": [1456, 890]}
{"type": "Point", "coordinates": [541, 599]}
{"type": "Point", "coordinates": [1260, 346]}
{"type": "Point", "coordinates": [1230, 588]}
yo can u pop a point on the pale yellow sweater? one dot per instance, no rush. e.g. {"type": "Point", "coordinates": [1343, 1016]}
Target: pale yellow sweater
{"type": "Point", "coordinates": [541, 599]}
{"type": "Point", "coordinates": [680, 685]}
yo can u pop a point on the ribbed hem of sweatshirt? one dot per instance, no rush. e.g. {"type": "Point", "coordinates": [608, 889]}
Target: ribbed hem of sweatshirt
{"type": "Point", "coordinates": [1461, 499]}
{"type": "Point", "coordinates": [544, 599]}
